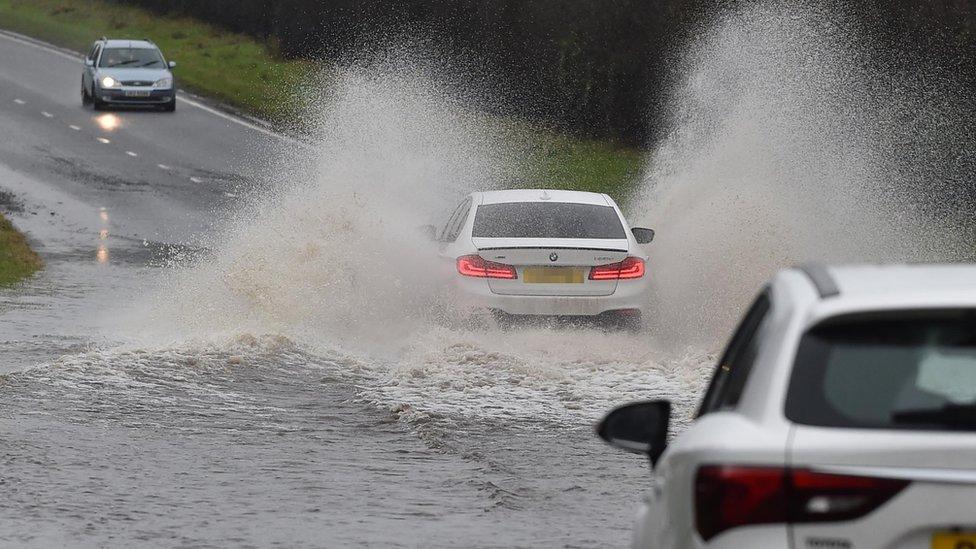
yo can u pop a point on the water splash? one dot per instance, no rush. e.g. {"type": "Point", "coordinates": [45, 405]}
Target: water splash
{"type": "Point", "coordinates": [331, 250]}
{"type": "Point", "coordinates": [793, 141]}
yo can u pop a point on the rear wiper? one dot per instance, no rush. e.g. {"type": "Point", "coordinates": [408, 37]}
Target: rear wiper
{"type": "Point", "coordinates": [949, 415]}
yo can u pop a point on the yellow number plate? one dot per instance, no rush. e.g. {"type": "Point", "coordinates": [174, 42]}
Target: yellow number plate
{"type": "Point", "coordinates": [954, 541]}
{"type": "Point", "coordinates": [553, 275]}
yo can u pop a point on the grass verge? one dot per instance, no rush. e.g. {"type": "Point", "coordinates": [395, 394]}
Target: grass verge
{"type": "Point", "coordinates": [17, 260]}
{"type": "Point", "coordinates": [248, 74]}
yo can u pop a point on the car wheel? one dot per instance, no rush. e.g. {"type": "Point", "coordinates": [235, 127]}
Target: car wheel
{"type": "Point", "coordinates": [629, 321]}
{"type": "Point", "coordinates": [97, 103]}
{"type": "Point", "coordinates": [85, 98]}
{"type": "Point", "coordinates": [170, 107]}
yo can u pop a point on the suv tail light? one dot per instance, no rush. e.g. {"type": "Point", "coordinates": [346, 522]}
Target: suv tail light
{"type": "Point", "coordinates": [632, 267]}
{"type": "Point", "coordinates": [730, 496]}
{"type": "Point", "coordinates": [475, 265]}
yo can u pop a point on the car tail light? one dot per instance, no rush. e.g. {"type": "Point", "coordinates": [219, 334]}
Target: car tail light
{"type": "Point", "coordinates": [632, 267]}
{"type": "Point", "coordinates": [730, 496]}
{"type": "Point", "coordinates": [726, 497]}
{"type": "Point", "coordinates": [819, 497]}
{"type": "Point", "coordinates": [475, 265]}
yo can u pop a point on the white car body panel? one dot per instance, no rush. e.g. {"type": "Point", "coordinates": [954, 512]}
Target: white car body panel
{"type": "Point", "coordinates": [941, 465]}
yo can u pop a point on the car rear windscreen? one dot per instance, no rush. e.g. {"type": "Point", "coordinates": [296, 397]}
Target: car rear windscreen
{"type": "Point", "coordinates": [896, 370]}
{"type": "Point", "coordinates": [547, 220]}
{"type": "Point", "coordinates": [131, 58]}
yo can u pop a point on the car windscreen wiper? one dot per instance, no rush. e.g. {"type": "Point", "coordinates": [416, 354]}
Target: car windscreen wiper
{"type": "Point", "coordinates": [149, 64]}
{"type": "Point", "coordinates": [120, 63]}
{"type": "Point", "coordinates": [953, 416]}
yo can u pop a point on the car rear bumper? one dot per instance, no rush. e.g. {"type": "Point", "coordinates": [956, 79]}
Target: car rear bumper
{"type": "Point", "coordinates": [154, 97]}
{"type": "Point", "coordinates": [630, 295]}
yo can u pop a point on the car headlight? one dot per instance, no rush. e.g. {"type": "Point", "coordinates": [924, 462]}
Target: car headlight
{"type": "Point", "coordinates": [109, 82]}
{"type": "Point", "coordinates": [164, 83]}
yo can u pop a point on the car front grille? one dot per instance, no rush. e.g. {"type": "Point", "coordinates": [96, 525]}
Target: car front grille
{"type": "Point", "coordinates": [136, 83]}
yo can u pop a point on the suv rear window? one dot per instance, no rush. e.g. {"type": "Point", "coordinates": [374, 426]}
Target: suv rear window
{"type": "Point", "coordinates": [131, 58]}
{"type": "Point", "coordinates": [547, 220]}
{"type": "Point", "coordinates": [895, 370]}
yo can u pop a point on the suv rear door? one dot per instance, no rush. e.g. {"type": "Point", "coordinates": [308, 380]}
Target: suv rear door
{"type": "Point", "coordinates": [887, 398]}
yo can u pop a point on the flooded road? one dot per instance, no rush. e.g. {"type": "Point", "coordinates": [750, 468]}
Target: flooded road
{"type": "Point", "coordinates": [170, 381]}
{"type": "Point", "coordinates": [234, 341]}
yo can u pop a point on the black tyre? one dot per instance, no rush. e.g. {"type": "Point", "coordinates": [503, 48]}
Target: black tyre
{"type": "Point", "coordinates": [97, 103]}
{"type": "Point", "coordinates": [85, 97]}
{"type": "Point", "coordinates": [629, 321]}
{"type": "Point", "coordinates": [170, 107]}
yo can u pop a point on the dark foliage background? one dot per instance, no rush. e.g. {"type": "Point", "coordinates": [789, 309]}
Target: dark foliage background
{"type": "Point", "coordinates": [595, 67]}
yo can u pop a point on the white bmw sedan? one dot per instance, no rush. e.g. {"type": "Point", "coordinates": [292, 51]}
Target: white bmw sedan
{"type": "Point", "coordinates": [546, 253]}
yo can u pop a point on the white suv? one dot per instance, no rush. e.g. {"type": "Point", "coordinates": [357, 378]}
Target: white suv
{"type": "Point", "coordinates": [841, 415]}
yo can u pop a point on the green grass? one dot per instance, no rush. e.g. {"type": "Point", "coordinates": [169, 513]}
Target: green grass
{"type": "Point", "coordinates": [17, 260]}
{"type": "Point", "coordinates": [588, 165]}
{"type": "Point", "coordinates": [248, 74]}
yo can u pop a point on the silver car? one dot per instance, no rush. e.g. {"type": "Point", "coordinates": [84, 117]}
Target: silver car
{"type": "Point", "coordinates": [127, 72]}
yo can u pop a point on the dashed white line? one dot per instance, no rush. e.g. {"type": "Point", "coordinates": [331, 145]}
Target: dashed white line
{"type": "Point", "coordinates": [196, 180]}
{"type": "Point", "coordinates": [102, 140]}
{"type": "Point", "coordinates": [47, 114]}
{"type": "Point", "coordinates": [75, 128]}
{"type": "Point", "coordinates": [132, 154]}
{"type": "Point", "coordinates": [162, 166]}
{"type": "Point", "coordinates": [20, 101]}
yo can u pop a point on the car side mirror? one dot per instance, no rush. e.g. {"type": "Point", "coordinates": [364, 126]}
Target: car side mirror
{"type": "Point", "coordinates": [639, 427]}
{"type": "Point", "coordinates": [89, 62]}
{"type": "Point", "coordinates": [172, 64]}
{"type": "Point", "coordinates": [642, 235]}
{"type": "Point", "coordinates": [429, 231]}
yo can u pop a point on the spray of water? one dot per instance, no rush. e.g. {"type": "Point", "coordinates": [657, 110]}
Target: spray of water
{"type": "Point", "coordinates": [331, 250]}
{"type": "Point", "coordinates": [783, 150]}
{"type": "Point", "coordinates": [328, 257]}
{"type": "Point", "coordinates": [794, 141]}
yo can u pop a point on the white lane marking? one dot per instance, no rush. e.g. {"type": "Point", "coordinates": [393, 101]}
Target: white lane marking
{"type": "Point", "coordinates": [75, 128]}
{"type": "Point", "coordinates": [102, 140]}
{"type": "Point", "coordinates": [196, 179]}
{"type": "Point", "coordinates": [20, 101]}
{"type": "Point", "coordinates": [47, 114]}
{"type": "Point", "coordinates": [238, 121]}
{"type": "Point", "coordinates": [231, 195]}
{"type": "Point", "coordinates": [132, 154]}
{"type": "Point", "coordinates": [34, 43]}
{"type": "Point", "coordinates": [162, 166]}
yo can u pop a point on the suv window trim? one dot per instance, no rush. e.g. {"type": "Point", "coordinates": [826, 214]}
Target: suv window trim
{"type": "Point", "coordinates": [717, 396]}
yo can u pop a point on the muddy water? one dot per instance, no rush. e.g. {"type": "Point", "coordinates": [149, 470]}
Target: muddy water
{"type": "Point", "coordinates": [115, 436]}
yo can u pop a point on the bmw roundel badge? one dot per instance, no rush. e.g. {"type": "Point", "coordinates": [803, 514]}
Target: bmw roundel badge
{"type": "Point", "coordinates": [553, 256]}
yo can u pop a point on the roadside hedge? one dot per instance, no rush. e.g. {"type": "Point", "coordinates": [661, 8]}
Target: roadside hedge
{"type": "Point", "coordinates": [597, 67]}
